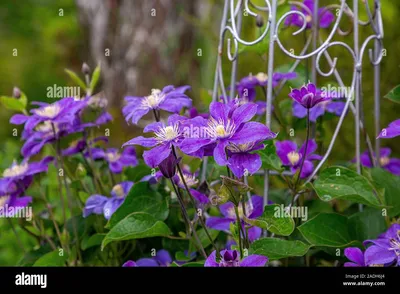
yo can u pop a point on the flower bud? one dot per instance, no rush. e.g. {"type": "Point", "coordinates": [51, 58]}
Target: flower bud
{"type": "Point", "coordinates": [259, 21]}
{"type": "Point", "coordinates": [168, 166]}
{"type": "Point", "coordinates": [85, 69]}
{"type": "Point", "coordinates": [16, 93]}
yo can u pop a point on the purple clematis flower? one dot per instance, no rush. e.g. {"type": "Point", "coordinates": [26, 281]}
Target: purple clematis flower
{"type": "Point", "coordinates": [230, 258]}
{"type": "Point", "coordinates": [24, 171]}
{"type": "Point", "coordinates": [169, 99]}
{"type": "Point", "coordinates": [334, 107]}
{"type": "Point", "coordinates": [392, 165]}
{"type": "Point", "coordinates": [226, 126]}
{"type": "Point", "coordinates": [242, 161]}
{"type": "Point", "coordinates": [325, 16]}
{"type": "Point", "coordinates": [162, 259]}
{"type": "Point", "coordinates": [291, 156]}
{"type": "Point", "coordinates": [61, 111]}
{"type": "Point", "coordinates": [116, 160]}
{"type": "Point", "coordinates": [254, 209]}
{"type": "Point", "coordinates": [308, 96]}
{"type": "Point", "coordinates": [386, 249]}
{"type": "Point", "coordinates": [391, 131]}
{"type": "Point", "coordinates": [356, 256]}
{"type": "Point", "coordinates": [246, 87]}
{"type": "Point", "coordinates": [99, 204]}
{"type": "Point", "coordinates": [11, 199]}
{"type": "Point", "coordinates": [165, 137]}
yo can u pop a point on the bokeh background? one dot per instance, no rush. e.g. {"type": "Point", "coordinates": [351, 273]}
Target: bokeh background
{"type": "Point", "coordinates": [153, 43]}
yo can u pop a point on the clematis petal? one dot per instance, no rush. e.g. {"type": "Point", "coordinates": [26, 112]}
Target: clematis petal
{"type": "Point", "coordinates": [155, 156]}
{"type": "Point", "coordinates": [218, 223]}
{"type": "Point", "coordinates": [210, 261]}
{"type": "Point", "coordinates": [254, 261]}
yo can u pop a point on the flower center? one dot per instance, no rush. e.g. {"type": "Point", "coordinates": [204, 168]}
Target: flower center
{"type": "Point", "coordinates": [15, 170]}
{"type": "Point", "coordinates": [119, 191]}
{"type": "Point", "coordinates": [3, 200]}
{"type": "Point", "coordinates": [308, 18]}
{"type": "Point", "coordinates": [262, 77]}
{"type": "Point", "coordinates": [167, 134]}
{"type": "Point", "coordinates": [154, 99]}
{"type": "Point", "coordinates": [49, 111]}
{"type": "Point", "coordinates": [395, 244]}
{"type": "Point", "coordinates": [230, 259]}
{"type": "Point", "coordinates": [46, 127]}
{"type": "Point", "coordinates": [113, 156]}
{"type": "Point", "coordinates": [384, 160]}
{"type": "Point", "coordinates": [293, 157]}
{"type": "Point", "coordinates": [238, 148]}
{"type": "Point", "coordinates": [220, 129]}
{"type": "Point", "coordinates": [189, 179]}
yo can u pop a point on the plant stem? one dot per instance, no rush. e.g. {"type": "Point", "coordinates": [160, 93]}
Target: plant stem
{"type": "Point", "coordinates": [187, 219]}
{"type": "Point", "coordinates": [194, 203]}
{"type": "Point", "coordinates": [239, 230]}
{"type": "Point", "coordinates": [305, 149]}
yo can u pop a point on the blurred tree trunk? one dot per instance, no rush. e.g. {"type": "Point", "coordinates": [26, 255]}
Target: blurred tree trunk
{"type": "Point", "coordinates": [138, 42]}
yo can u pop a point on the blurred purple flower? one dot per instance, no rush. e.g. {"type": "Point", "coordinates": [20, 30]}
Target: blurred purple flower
{"type": "Point", "coordinates": [253, 207]}
{"type": "Point", "coordinates": [116, 160]}
{"type": "Point", "coordinates": [230, 258]}
{"type": "Point", "coordinates": [292, 157]}
{"type": "Point", "coordinates": [246, 87]}
{"type": "Point", "coordinates": [169, 99]}
{"type": "Point", "coordinates": [80, 146]}
{"type": "Point", "coordinates": [325, 16]}
{"type": "Point", "coordinates": [392, 165]}
{"type": "Point", "coordinates": [99, 204]}
{"type": "Point", "coordinates": [391, 131]}
{"type": "Point", "coordinates": [162, 259]}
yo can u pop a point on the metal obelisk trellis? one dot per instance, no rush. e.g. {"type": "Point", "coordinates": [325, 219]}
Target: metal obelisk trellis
{"type": "Point", "coordinates": [231, 22]}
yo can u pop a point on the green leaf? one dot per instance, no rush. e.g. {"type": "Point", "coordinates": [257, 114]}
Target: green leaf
{"type": "Point", "coordinates": [94, 240]}
{"type": "Point", "coordinates": [367, 224]}
{"type": "Point", "coordinates": [32, 256]}
{"type": "Point", "coordinates": [141, 199]}
{"type": "Point", "coordinates": [275, 219]}
{"type": "Point", "coordinates": [390, 183]}
{"type": "Point", "coordinates": [135, 174]}
{"type": "Point", "coordinates": [95, 78]}
{"type": "Point", "coordinates": [74, 77]}
{"type": "Point", "coordinates": [52, 259]}
{"type": "Point", "coordinates": [137, 225]}
{"type": "Point", "coordinates": [394, 94]}
{"type": "Point", "coordinates": [205, 241]}
{"type": "Point", "coordinates": [327, 229]}
{"type": "Point", "coordinates": [181, 256]}
{"type": "Point", "coordinates": [275, 248]}
{"type": "Point", "coordinates": [342, 183]}
{"type": "Point", "coordinates": [12, 103]}
{"type": "Point", "coordinates": [269, 158]}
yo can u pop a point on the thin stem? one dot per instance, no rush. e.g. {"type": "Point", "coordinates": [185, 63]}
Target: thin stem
{"type": "Point", "coordinates": [187, 219]}
{"type": "Point", "coordinates": [305, 148]}
{"type": "Point", "coordinates": [239, 230]}
{"type": "Point", "coordinates": [194, 202]}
